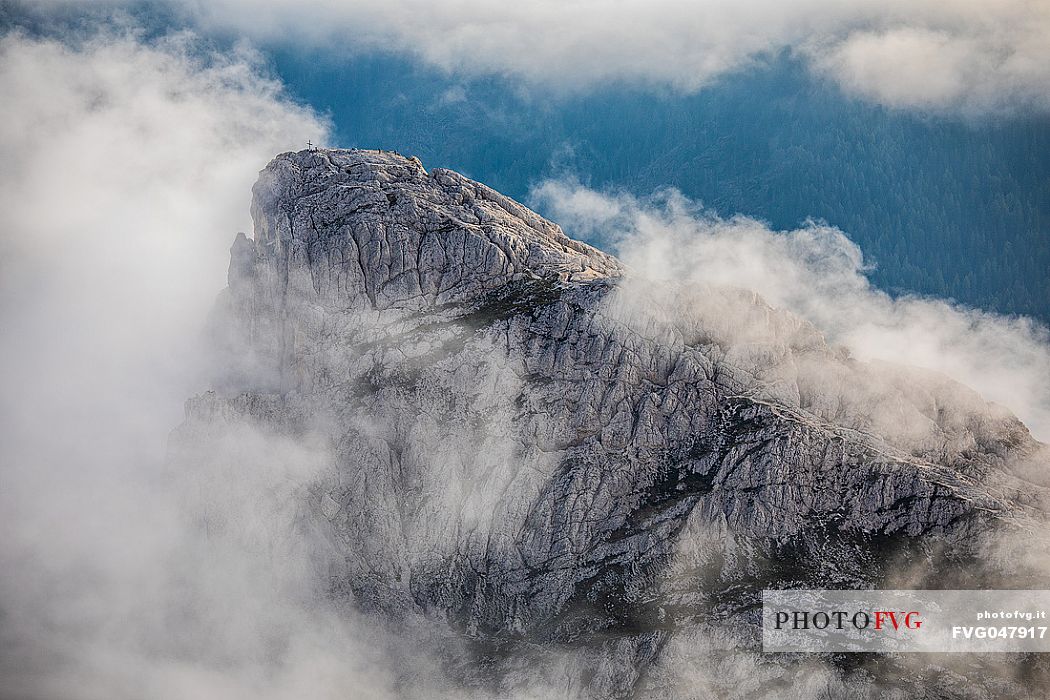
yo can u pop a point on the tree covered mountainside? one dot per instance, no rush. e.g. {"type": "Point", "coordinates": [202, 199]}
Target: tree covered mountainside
{"type": "Point", "coordinates": [941, 205]}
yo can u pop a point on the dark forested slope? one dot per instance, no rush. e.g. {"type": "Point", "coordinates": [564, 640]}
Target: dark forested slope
{"type": "Point", "coordinates": [950, 206]}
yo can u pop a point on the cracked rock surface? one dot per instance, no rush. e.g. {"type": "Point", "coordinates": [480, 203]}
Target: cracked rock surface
{"type": "Point", "coordinates": [586, 479]}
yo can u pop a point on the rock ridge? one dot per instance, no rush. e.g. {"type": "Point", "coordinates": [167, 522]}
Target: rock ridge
{"type": "Point", "coordinates": [524, 445]}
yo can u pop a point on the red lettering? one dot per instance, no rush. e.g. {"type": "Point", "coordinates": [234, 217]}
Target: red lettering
{"type": "Point", "coordinates": [880, 615]}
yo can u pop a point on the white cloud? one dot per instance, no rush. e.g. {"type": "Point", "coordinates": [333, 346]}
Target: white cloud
{"type": "Point", "coordinates": [934, 68]}
{"type": "Point", "coordinates": [927, 54]}
{"type": "Point", "coordinates": [907, 67]}
{"type": "Point", "coordinates": [817, 273]}
{"type": "Point", "coordinates": [127, 170]}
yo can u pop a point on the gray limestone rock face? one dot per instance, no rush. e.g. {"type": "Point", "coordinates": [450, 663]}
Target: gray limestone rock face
{"type": "Point", "coordinates": [576, 472]}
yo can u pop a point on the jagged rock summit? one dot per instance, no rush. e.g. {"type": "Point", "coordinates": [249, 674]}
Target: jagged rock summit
{"type": "Point", "coordinates": [589, 482]}
{"type": "Point", "coordinates": [417, 238]}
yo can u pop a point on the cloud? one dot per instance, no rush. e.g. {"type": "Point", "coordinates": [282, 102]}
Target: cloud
{"type": "Point", "coordinates": [922, 54]}
{"type": "Point", "coordinates": [817, 273]}
{"type": "Point", "coordinates": [934, 68]}
{"type": "Point", "coordinates": [127, 168]}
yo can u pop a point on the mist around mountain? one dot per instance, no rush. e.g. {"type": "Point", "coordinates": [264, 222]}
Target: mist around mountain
{"type": "Point", "coordinates": [354, 424]}
{"type": "Point", "coordinates": [565, 476]}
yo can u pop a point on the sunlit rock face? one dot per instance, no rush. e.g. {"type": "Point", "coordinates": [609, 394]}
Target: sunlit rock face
{"type": "Point", "coordinates": [588, 479]}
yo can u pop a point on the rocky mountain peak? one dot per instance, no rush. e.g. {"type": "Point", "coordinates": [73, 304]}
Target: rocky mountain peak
{"type": "Point", "coordinates": [518, 442]}
{"type": "Point", "coordinates": [379, 226]}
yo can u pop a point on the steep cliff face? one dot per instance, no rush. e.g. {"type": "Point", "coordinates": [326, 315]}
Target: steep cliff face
{"type": "Point", "coordinates": [551, 457]}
